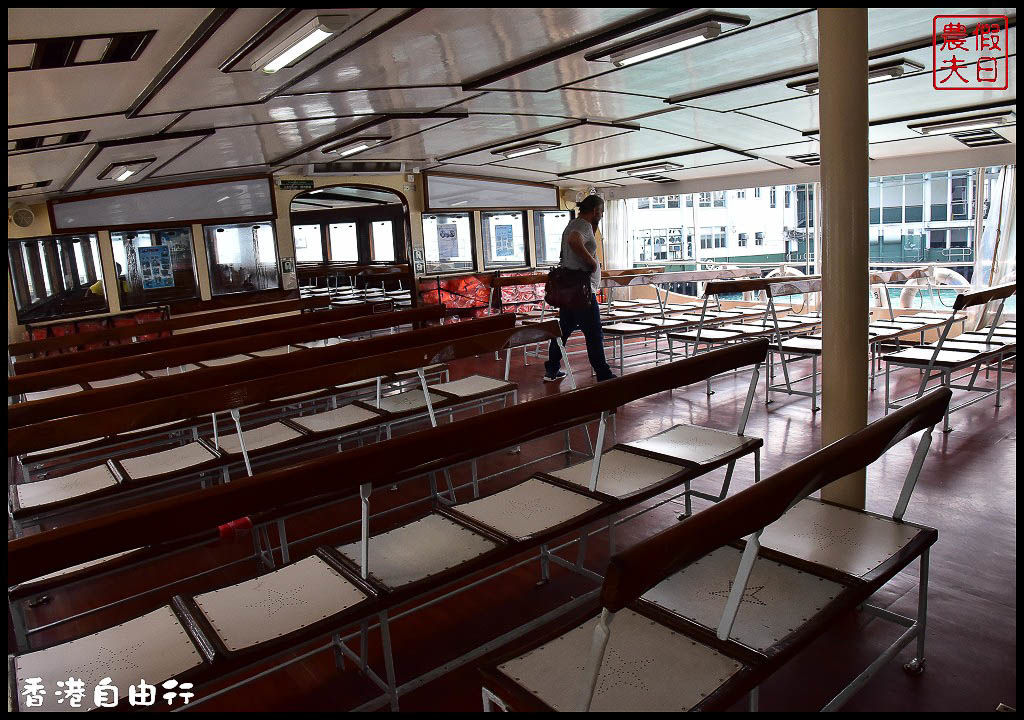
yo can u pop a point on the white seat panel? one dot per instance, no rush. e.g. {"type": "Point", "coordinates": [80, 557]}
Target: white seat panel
{"type": "Point", "coordinates": [472, 385]}
{"type": "Point", "coordinates": [278, 603]}
{"type": "Point", "coordinates": [154, 647]}
{"type": "Point", "coordinates": [176, 370]}
{"type": "Point", "coordinates": [166, 461]}
{"type": "Point", "coordinates": [778, 598]}
{"type": "Point", "coordinates": [407, 401]}
{"type": "Point", "coordinates": [326, 342]}
{"type": "Point", "coordinates": [257, 438]}
{"type": "Point", "coordinates": [274, 352]}
{"type": "Point", "coordinates": [336, 419]}
{"type": "Point", "coordinates": [622, 473]}
{"type": "Point", "coordinates": [691, 443]}
{"type": "Point", "coordinates": [52, 392]}
{"type": "Point", "coordinates": [849, 541]}
{"type": "Point", "coordinates": [627, 327]}
{"type": "Point", "coordinates": [418, 550]}
{"type": "Point", "coordinates": [230, 360]}
{"type": "Point", "coordinates": [111, 382]}
{"type": "Point", "coordinates": [528, 508]}
{"type": "Point", "coordinates": [66, 487]}
{"type": "Point", "coordinates": [647, 667]}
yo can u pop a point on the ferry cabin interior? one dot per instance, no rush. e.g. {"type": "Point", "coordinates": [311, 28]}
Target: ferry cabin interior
{"type": "Point", "coordinates": [277, 431]}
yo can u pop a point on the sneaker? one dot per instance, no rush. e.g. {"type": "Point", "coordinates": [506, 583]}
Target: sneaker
{"type": "Point", "coordinates": [554, 378]}
{"type": "Point", "coordinates": [611, 376]}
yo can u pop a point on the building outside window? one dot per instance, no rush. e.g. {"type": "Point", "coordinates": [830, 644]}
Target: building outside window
{"type": "Point", "coordinates": [771, 198]}
{"type": "Point", "coordinates": [673, 201]}
{"type": "Point", "coordinates": [742, 240]}
{"type": "Point", "coordinates": [759, 238]}
{"type": "Point", "coordinates": [242, 258]}
{"type": "Point", "coordinates": [157, 266]}
{"type": "Point", "coordinates": [705, 200]}
{"type": "Point", "coordinates": [719, 199]}
{"type": "Point", "coordinates": [720, 237]}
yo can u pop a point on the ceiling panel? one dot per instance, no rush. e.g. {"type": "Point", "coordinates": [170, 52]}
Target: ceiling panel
{"type": "Point", "coordinates": [916, 146]}
{"type": "Point", "coordinates": [56, 165]}
{"type": "Point", "coordinates": [200, 83]}
{"type": "Point", "coordinates": [570, 103]}
{"type": "Point", "coordinates": [746, 97]}
{"type": "Point", "coordinates": [254, 144]}
{"type": "Point", "coordinates": [460, 135]}
{"type": "Point", "coordinates": [163, 150]}
{"type": "Point", "coordinates": [395, 128]}
{"type": "Point", "coordinates": [447, 46]}
{"type": "Point", "coordinates": [70, 92]}
{"type": "Point", "coordinates": [1010, 133]}
{"type": "Point", "coordinates": [781, 153]}
{"type": "Point", "coordinates": [574, 68]}
{"type": "Point", "coordinates": [621, 149]}
{"type": "Point", "coordinates": [714, 156]}
{"type": "Point", "coordinates": [730, 129]}
{"type": "Point", "coordinates": [495, 171]}
{"type": "Point", "coordinates": [568, 136]}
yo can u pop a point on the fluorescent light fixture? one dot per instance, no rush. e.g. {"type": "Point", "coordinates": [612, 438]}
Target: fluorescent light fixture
{"type": "Point", "coordinates": [301, 42]}
{"type": "Point", "coordinates": [670, 39]}
{"type": "Point", "coordinates": [975, 122]}
{"type": "Point", "coordinates": [460, 202]}
{"type": "Point", "coordinates": [119, 172]}
{"type": "Point", "coordinates": [515, 151]}
{"type": "Point", "coordinates": [886, 71]}
{"type": "Point", "coordinates": [643, 170]}
{"type": "Point", "coordinates": [355, 145]}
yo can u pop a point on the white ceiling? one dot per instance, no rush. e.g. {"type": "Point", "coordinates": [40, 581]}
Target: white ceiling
{"type": "Point", "coordinates": [449, 87]}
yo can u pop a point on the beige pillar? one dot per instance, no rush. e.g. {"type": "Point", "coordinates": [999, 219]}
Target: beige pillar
{"type": "Point", "coordinates": [843, 121]}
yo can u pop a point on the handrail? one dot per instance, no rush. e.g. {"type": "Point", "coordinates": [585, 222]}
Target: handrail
{"type": "Point", "coordinates": [682, 276]}
{"type": "Point", "coordinates": [984, 296]}
{"type": "Point", "coordinates": [380, 464]}
{"type": "Point", "coordinates": [778, 285]}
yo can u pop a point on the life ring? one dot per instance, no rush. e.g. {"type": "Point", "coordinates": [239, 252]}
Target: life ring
{"type": "Point", "coordinates": [787, 272]}
{"type": "Point", "coordinates": [939, 277]}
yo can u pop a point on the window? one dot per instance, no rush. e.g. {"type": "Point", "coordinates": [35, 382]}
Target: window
{"type": "Point", "coordinates": [913, 190]}
{"type": "Point", "coordinates": [757, 192]}
{"type": "Point", "coordinates": [673, 201]}
{"type": "Point", "coordinates": [382, 241]}
{"type": "Point", "coordinates": [720, 199]}
{"type": "Point", "coordinates": [706, 238]}
{"type": "Point", "coordinates": [936, 239]}
{"type": "Point", "coordinates": [548, 226]}
{"type": "Point", "coordinates": [689, 201]}
{"type": "Point", "coordinates": [939, 187]}
{"type": "Point", "coordinates": [759, 238]}
{"type": "Point", "coordinates": [960, 237]}
{"type": "Point", "coordinates": [308, 243]}
{"type": "Point", "coordinates": [55, 277]}
{"type": "Point", "coordinates": [720, 237]}
{"type": "Point", "coordinates": [503, 239]}
{"type": "Point", "coordinates": [771, 198]}
{"type": "Point", "coordinates": [874, 202]}
{"type": "Point", "coordinates": [643, 203]}
{"type": "Point", "coordinates": [742, 240]}
{"type": "Point", "coordinates": [156, 266]}
{"type": "Point", "coordinates": [705, 200]}
{"type": "Point", "coordinates": [447, 242]}
{"type": "Point", "coordinates": [959, 197]}
{"type": "Point", "coordinates": [658, 203]}
{"type": "Point", "coordinates": [343, 242]}
{"type": "Point", "coordinates": [787, 198]}
{"type": "Point", "coordinates": [242, 258]}
{"type": "Point", "coordinates": [892, 200]}
{"type": "Point", "coordinates": [740, 194]}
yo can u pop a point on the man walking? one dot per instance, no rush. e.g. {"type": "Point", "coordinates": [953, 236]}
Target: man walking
{"type": "Point", "coordinates": [579, 252]}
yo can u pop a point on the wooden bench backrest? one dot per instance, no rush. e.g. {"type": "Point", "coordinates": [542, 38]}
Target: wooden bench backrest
{"type": "Point", "coordinates": [381, 464]}
{"type": "Point", "coordinates": [777, 286]}
{"type": "Point", "coordinates": [636, 570]}
{"type": "Point", "coordinates": [981, 297]}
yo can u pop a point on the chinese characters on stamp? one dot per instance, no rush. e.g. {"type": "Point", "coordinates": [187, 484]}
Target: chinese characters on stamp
{"type": "Point", "coordinates": [970, 52]}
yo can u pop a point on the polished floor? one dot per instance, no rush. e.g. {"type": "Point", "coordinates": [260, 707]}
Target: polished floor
{"type": "Point", "coordinates": [967, 491]}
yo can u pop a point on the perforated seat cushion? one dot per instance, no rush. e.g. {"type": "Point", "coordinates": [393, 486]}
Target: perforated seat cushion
{"type": "Point", "coordinates": [111, 382]}
{"type": "Point", "coordinates": [273, 352]}
{"type": "Point", "coordinates": [336, 419]}
{"type": "Point", "coordinates": [418, 550]}
{"type": "Point", "coordinates": [166, 461]}
{"type": "Point", "coordinates": [257, 438]}
{"type": "Point", "coordinates": [230, 360]}
{"type": "Point", "coordinates": [326, 342]}
{"type": "Point", "coordinates": [278, 603]}
{"type": "Point", "coordinates": [176, 370]}
{"type": "Point", "coordinates": [622, 473]}
{"type": "Point", "coordinates": [624, 328]}
{"type": "Point", "coordinates": [472, 385]}
{"type": "Point", "coordinates": [66, 487]}
{"type": "Point", "coordinates": [622, 303]}
{"type": "Point", "coordinates": [706, 334]}
{"type": "Point", "coordinates": [778, 598]}
{"type": "Point", "coordinates": [622, 313]}
{"type": "Point", "coordinates": [645, 301]}
{"type": "Point", "coordinates": [154, 647]}
{"type": "Point", "coordinates": [968, 346]}
{"type": "Point", "coordinates": [52, 392]}
{"type": "Point", "coordinates": [647, 667]}
{"type": "Point", "coordinates": [802, 345]}
{"type": "Point", "coordinates": [408, 401]}
{"type": "Point", "coordinates": [983, 337]}
{"type": "Point", "coordinates": [846, 540]}
{"type": "Point", "coordinates": [692, 444]}
{"type": "Point", "coordinates": [664, 322]}
{"type": "Point", "coordinates": [923, 355]}
{"type": "Point", "coordinates": [528, 508]}
{"type": "Point", "coordinates": [681, 306]}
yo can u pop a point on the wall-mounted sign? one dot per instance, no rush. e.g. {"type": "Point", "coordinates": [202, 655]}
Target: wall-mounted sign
{"type": "Point", "coordinates": [155, 267]}
{"type": "Point", "coordinates": [295, 184]}
{"type": "Point", "coordinates": [503, 245]}
{"type": "Point", "coordinates": [448, 241]}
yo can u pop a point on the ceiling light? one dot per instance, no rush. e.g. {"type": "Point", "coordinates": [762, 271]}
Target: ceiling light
{"type": "Point", "coordinates": [119, 172]}
{"type": "Point", "coordinates": [355, 145]}
{"type": "Point", "coordinates": [886, 71]}
{"type": "Point", "coordinates": [528, 149]}
{"type": "Point", "coordinates": [640, 171]}
{"type": "Point", "coordinates": [976, 122]}
{"type": "Point", "coordinates": [301, 42]}
{"type": "Point", "coordinates": [669, 39]}
{"type": "Point", "coordinates": [460, 202]}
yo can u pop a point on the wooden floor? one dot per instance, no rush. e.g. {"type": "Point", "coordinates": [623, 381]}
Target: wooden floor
{"type": "Point", "coordinates": [967, 491]}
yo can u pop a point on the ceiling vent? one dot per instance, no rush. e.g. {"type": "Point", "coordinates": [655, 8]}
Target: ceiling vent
{"type": "Point", "coordinates": [46, 141]}
{"type": "Point", "coordinates": [381, 167]}
{"type": "Point", "coordinates": [980, 138]}
{"type": "Point", "coordinates": [655, 178]}
{"type": "Point", "coordinates": [28, 186]}
{"type": "Point", "coordinates": [59, 52]}
{"type": "Point", "coordinates": [808, 159]}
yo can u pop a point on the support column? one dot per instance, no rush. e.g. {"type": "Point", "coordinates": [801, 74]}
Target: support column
{"type": "Point", "coordinates": [843, 121]}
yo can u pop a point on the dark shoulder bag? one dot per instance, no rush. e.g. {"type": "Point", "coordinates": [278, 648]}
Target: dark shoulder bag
{"type": "Point", "coordinates": [569, 289]}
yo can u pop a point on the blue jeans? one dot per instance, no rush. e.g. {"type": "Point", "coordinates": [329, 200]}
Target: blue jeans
{"type": "Point", "coordinates": [589, 321]}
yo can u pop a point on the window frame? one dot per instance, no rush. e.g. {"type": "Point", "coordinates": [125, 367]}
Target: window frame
{"type": "Point", "coordinates": [472, 244]}
{"type": "Point", "coordinates": [538, 239]}
{"type": "Point", "coordinates": [32, 285]}
{"type": "Point", "coordinates": [485, 241]}
{"type": "Point", "coordinates": [195, 271]}
{"type": "Point", "coordinates": [210, 264]}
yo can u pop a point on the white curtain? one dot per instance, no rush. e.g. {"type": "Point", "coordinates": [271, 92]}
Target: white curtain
{"type": "Point", "coordinates": [616, 234]}
{"type": "Point", "coordinates": [996, 257]}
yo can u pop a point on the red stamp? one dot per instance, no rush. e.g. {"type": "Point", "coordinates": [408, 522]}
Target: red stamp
{"type": "Point", "coordinates": [969, 52]}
